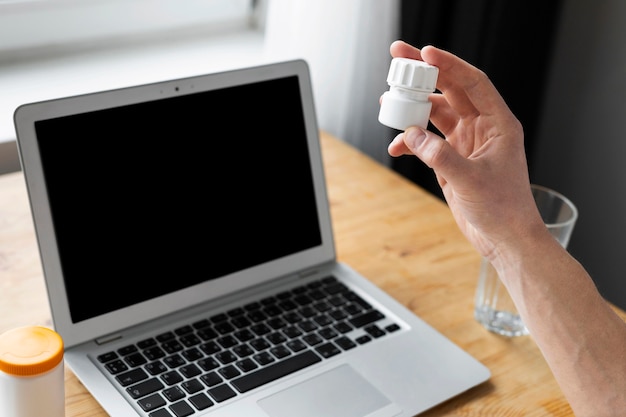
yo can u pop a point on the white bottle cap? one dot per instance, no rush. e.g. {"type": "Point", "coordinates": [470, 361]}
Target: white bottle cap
{"type": "Point", "coordinates": [406, 103]}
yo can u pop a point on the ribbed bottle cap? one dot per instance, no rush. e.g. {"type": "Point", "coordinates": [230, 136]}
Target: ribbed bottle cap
{"type": "Point", "coordinates": [31, 350]}
{"type": "Point", "coordinates": [413, 74]}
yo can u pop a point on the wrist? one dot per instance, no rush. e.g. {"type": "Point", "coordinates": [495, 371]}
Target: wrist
{"type": "Point", "coordinates": [524, 251]}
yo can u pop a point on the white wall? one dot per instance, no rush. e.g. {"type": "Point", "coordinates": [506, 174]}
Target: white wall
{"type": "Point", "coordinates": [581, 149]}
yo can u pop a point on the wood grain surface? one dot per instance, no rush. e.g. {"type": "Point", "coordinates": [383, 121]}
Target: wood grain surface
{"type": "Point", "coordinates": [394, 233]}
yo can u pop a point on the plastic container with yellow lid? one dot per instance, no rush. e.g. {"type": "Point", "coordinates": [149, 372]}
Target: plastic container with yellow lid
{"type": "Point", "coordinates": [31, 373]}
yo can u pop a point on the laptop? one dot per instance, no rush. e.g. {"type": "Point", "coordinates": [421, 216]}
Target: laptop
{"type": "Point", "coordinates": [191, 275]}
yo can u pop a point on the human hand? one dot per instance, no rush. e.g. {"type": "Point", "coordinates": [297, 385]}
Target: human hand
{"type": "Point", "coordinates": [481, 165]}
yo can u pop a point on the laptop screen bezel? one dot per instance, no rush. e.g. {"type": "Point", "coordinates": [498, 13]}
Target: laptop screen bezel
{"type": "Point", "coordinates": [78, 332]}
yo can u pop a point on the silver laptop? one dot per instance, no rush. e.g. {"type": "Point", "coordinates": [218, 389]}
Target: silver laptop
{"type": "Point", "coordinates": [191, 275]}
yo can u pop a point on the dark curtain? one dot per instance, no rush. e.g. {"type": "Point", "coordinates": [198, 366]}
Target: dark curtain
{"type": "Point", "coordinates": [510, 40]}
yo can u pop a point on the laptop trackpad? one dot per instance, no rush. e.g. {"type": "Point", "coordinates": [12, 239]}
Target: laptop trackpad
{"type": "Point", "coordinates": [340, 392]}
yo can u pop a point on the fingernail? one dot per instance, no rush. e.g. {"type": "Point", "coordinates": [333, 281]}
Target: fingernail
{"type": "Point", "coordinates": [413, 137]}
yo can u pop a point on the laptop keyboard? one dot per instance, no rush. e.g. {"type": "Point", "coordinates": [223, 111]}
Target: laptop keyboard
{"type": "Point", "coordinates": [193, 367]}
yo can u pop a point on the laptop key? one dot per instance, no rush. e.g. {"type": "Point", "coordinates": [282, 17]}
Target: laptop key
{"type": "Point", "coordinates": [190, 370]}
{"type": "Point", "coordinates": [192, 354]}
{"type": "Point", "coordinates": [201, 323]}
{"type": "Point", "coordinates": [356, 299]}
{"type": "Point", "coordinates": [210, 348]}
{"type": "Point", "coordinates": [156, 368]}
{"type": "Point", "coordinates": [226, 357]}
{"type": "Point", "coordinates": [181, 409]}
{"type": "Point", "coordinates": [127, 350]}
{"type": "Point", "coordinates": [328, 333]}
{"type": "Point", "coordinates": [263, 358]}
{"type": "Point", "coordinates": [160, 413]}
{"type": "Point", "coordinates": [227, 341]}
{"type": "Point", "coordinates": [172, 346]}
{"type": "Point", "coordinates": [135, 359]}
{"type": "Point", "coordinates": [208, 364]}
{"type": "Point", "coordinates": [131, 377]}
{"type": "Point", "coordinates": [153, 353]}
{"type": "Point", "coordinates": [243, 350]}
{"type": "Point", "coordinates": [171, 378]}
{"type": "Point", "coordinates": [345, 343]}
{"type": "Point", "coordinates": [211, 379]}
{"type": "Point", "coordinates": [146, 343]}
{"type": "Point", "coordinates": [106, 357]}
{"type": "Point", "coordinates": [207, 334]}
{"type": "Point", "coordinates": [237, 311]}
{"type": "Point", "coordinates": [200, 401]}
{"type": "Point", "coordinates": [163, 337]}
{"type": "Point", "coordinates": [327, 350]}
{"type": "Point", "coordinates": [246, 365]}
{"type": "Point", "coordinates": [312, 339]}
{"type": "Point", "coordinates": [280, 351]}
{"type": "Point", "coordinates": [342, 327]}
{"type": "Point", "coordinates": [259, 344]}
{"type": "Point", "coordinates": [183, 330]}
{"type": "Point", "coordinates": [189, 340]}
{"type": "Point", "coordinates": [274, 371]}
{"type": "Point", "coordinates": [192, 386]}
{"type": "Point", "coordinates": [366, 318]}
{"type": "Point", "coordinates": [296, 345]}
{"type": "Point", "coordinates": [151, 402]}
{"type": "Point", "coordinates": [374, 331]}
{"type": "Point", "coordinates": [221, 393]}
{"type": "Point", "coordinates": [393, 327]}
{"type": "Point", "coordinates": [174, 361]}
{"type": "Point", "coordinates": [173, 393]}
{"type": "Point", "coordinates": [218, 318]}
{"type": "Point", "coordinates": [144, 388]}
{"type": "Point", "coordinates": [229, 372]}
{"type": "Point", "coordinates": [116, 366]}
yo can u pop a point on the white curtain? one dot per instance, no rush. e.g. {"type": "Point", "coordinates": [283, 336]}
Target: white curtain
{"type": "Point", "coordinates": [346, 43]}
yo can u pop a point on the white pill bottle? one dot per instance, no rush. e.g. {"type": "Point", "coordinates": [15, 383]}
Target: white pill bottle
{"type": "Point", "coordinates": [32, 382]}
{"type": "Point", "coordinates": [406, 103]}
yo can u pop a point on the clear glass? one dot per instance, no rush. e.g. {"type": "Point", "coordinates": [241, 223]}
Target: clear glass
{"type": "Point", "coordinates": [494, 308]}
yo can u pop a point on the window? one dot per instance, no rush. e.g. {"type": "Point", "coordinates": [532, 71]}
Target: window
{"type": "Point", "coordinates": [56, 48]}
{"type": "Point", "coordinates": [31, 27]}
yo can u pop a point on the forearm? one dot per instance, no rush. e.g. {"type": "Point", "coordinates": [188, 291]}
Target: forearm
{"type": "Point", "coordinates": [482, 169]}
{"type": "Point", "coordinates": [581, 337]}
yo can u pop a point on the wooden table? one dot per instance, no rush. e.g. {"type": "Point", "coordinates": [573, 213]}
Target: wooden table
{"type": "Point", "coordinates": [391, 231]}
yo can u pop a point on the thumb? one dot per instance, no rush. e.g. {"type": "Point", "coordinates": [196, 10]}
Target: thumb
{"type": "Point", "coordinates": [434, 151]}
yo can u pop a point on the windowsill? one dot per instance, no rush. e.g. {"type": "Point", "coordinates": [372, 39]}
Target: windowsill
{"type": "Point", "coordinates": [95, 71]}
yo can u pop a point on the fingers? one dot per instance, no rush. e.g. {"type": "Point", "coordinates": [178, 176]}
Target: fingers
{"type": "Point", "coordinates": [442, 115]}
{"type": "Point", "coordinates": [397, 146]}
{"type": "Point", "coordinates": [431, 149]}
{"type": "Point", "coordinates": [452, 127]}
{"type": "Point", "coordinates": [454, 103]}
{"type": "Point", "coordinates": [404, 50]}
{"type": "Point", "coordinates": [469, 109]}
{"type": "Point", "coordinates": [467, 89]}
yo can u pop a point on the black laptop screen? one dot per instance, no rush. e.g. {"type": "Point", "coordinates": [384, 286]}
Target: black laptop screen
{"type": "Point", "coordinates": [154, 197]}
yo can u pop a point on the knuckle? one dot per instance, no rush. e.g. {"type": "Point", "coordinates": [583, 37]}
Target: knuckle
{"type": "Point", "coordinates": [433, 152]}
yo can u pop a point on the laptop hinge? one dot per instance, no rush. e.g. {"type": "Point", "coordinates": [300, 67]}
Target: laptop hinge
{"type": "Point", "coordinates": [308, 273]}
{"type": "Point", "coordinates": [108, 339]}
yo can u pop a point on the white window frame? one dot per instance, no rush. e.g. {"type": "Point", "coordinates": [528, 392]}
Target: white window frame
{"type": "Point", "coordinates": [34, 26]}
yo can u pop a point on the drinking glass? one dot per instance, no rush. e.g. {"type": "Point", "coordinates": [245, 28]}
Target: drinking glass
{"type": "Point", "coordinates": [494, 308]}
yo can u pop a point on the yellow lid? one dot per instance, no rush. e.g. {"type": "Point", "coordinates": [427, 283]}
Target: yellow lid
{"type": "Point", "coordinates": [31, 350]}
